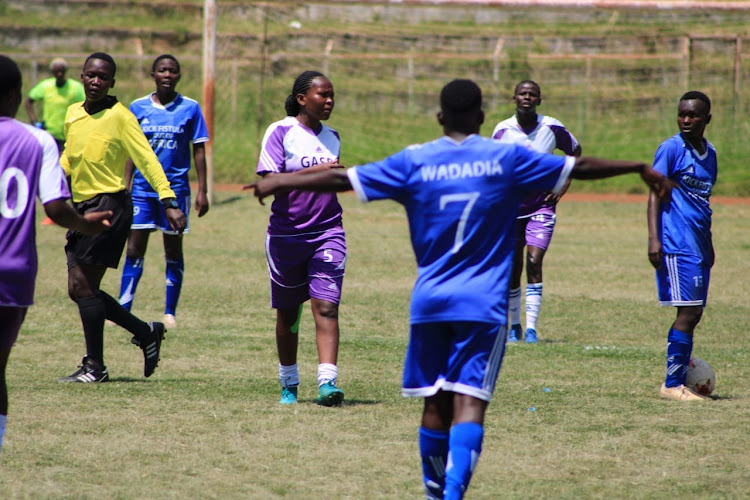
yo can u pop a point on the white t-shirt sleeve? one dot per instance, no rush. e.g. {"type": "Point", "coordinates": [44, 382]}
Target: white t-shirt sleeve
{"type": "Point", "coordinates": [52, 182]}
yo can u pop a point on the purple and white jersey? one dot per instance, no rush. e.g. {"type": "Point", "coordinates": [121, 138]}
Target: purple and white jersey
{"type": "Point", "coordinates": [289, 146]}
{"type": "Point", "coordinates": [29, 167]}
{"type": "Point", "coordinates": [548, 135]}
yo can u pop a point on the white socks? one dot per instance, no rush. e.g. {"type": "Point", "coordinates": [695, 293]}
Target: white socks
{"type": "Point", "coordinates": [327, 372]}
{"type": "Point", "coordinates": [533, 303]}
{"type": "Point", "coordinates": [288, 375]}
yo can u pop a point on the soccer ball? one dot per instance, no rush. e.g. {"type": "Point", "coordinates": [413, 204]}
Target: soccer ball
{"type": "Point", "coordinates": [701, 377]}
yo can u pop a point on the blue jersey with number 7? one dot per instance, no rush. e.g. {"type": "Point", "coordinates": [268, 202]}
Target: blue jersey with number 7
{"type": "Point", "coordinates": [461, 199]}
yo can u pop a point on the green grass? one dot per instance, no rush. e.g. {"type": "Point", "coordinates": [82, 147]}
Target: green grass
{"type": "Point", "coordinates": [207, 424]}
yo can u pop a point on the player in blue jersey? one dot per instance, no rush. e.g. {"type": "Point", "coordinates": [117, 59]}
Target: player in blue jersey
{"type": "Point", "coordinates": [461, 193]}
{"type": "Point", "coordinates": [305, 240]}
{"type": "Point", "coordinates": [679, 235]}
{"type": "Point", "coordinates": [29, 169]}
{"type": "Point", "coordinates": [536, 217]}
{"type": "Point", "coordinates": [171, 122]}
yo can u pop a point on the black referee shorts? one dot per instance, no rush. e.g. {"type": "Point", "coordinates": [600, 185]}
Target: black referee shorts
{"type": "Point", "coordinates": [105, 248]}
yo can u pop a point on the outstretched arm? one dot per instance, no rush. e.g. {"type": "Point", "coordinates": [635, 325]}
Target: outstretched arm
{"type": "Point", "coordinates": [591, 168]}
{"type": "Point", "coordinates": [329, 180]}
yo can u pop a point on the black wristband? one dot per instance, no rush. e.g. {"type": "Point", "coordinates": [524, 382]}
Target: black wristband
{"type": "Point", "coordinates": [170, 203]}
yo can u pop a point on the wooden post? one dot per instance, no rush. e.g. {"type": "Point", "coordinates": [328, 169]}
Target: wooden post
{"type": "Point", "coordinates": [496, 71]}
{"type": "Point", "coordinates": [209, 74]}
{"type": "Point", "coordinates": [327, 56]}
{"type": "Point", "coordinates": [687, 55]}
{"type": "Point", "coordinates": [737, 77]}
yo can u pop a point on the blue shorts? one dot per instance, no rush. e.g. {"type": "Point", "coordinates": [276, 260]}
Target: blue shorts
{"type": "Point", "coordinates": [457, 356]}
{"type": "Point", "coordinates": [149, 213]}
{"type": "Point", "coordinates": [536, 230]}
{"type": "Point", "coordinates": [682, 280]}
{"type": "Point", "coordinates": [304, 266]}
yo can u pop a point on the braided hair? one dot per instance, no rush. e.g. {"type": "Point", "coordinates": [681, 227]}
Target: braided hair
{"type": "Point", "coordinates": [301, 86]}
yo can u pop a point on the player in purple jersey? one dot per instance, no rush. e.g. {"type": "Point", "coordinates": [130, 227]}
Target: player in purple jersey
{"type": "Point", "coordinates": [171, 123]}
{"type": "Point", "coordinates": [29, 168]}
{"type": "Point", "coordinates": [536, 217]}
{"type": "Point", "coordinates": [305, 242]}
{"type": "Point", "coordinates": [461, 194]}
{"type": "Point", "coordinates": [679, 236]}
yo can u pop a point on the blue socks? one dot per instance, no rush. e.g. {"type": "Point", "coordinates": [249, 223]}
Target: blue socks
{"type": "Point", "coordinates": [131, 275]}
{"type": "Point", "coordinates": [175, 273]}
{"type": "Point", "coordinates": [679, 349]}
{"type": "Point", "coordinates": [433, 446]}
{"type": "Point", "coordinates": [465, 444]}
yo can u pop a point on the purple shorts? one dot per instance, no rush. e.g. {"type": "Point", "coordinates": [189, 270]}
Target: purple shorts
{"type": "Point", "coordinates": [304, 266]}
{"type": "Point", "coordinates": [149, 214]}
{"type": "Point", "coordinates": [682, 280]}
{"type": "Point", "coordinates": [458, 356]}
{"type": "Point", "coordinates": [536, 230]}
{"type": "Point", "coordinates": [11, 319]}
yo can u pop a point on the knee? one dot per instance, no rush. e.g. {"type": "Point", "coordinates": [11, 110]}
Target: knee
{"type": "Point", "coordinates": [694, 316]}
{"type": "Point", "coordinates": [173, 255]}
{"type": "Point", "coordinates": [77, 289]}
{"type": "Point", "coordinates": [328, 310]}
{"type": "Point", "coordinates": [690, 317]}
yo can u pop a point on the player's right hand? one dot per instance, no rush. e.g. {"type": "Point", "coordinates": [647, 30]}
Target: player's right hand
{"type": "Point", "coordinates": [655, 252]}
{"type": "Point", "coordinates": [96, 222]}
{"type": "Point", "coordinates": [176, 218]}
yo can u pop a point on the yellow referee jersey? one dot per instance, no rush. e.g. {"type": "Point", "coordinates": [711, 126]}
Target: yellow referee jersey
{"type": "Point", "coordinates": [97, 148]}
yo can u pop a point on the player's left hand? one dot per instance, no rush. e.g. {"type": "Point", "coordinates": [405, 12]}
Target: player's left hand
{"type": "Point", "coordinates": [659, 184]}
{"type": "Point", "coordinates": [177, 220]}
{"type": "Point", "coordinates": [201, 204]}
{"type": "Point", "coordinates": [554, 198]}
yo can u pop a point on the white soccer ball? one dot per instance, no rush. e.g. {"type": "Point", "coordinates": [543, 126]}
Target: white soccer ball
{"type": "Point", "coordinates": [701, 377]}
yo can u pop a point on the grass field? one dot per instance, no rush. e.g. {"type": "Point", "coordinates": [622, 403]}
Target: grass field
{"type": "Point", "coordinates": [208, 424]}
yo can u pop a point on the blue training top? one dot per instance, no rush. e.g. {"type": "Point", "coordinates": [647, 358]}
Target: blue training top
{"type": "Point", "coordinates": [170, 130]}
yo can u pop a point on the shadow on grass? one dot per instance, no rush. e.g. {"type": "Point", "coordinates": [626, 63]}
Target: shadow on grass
{"type": "Point", "coordinates": [227, 201]}
{"type": "Point", "coordinates": [347, 402]}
